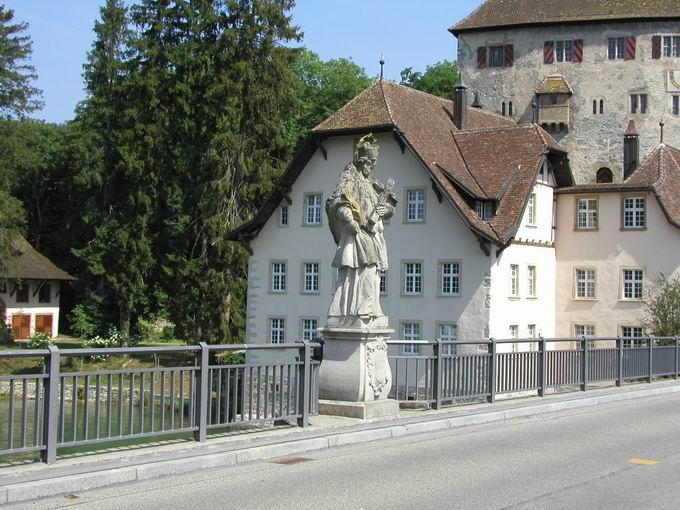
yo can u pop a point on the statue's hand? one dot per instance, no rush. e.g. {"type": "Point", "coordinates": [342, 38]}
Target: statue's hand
{"type": "Point", "coordinates": [381, 210]}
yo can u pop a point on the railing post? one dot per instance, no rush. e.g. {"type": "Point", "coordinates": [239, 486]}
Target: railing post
{"type": "Point", "coordinates": [651, 367]}
{"type": "Point", "coordinates": [619, 352]}
{"type": "Point", "coordinates": [437, 373]}
{"type": "Point", "coordinates": [49, 455]}
{"type": "Point", "coordinates": [202, 392]}
{"type": "Point", "coordinates": [584, 364]}
{"type": "Point", "coordinates": [543, 366]}
{"type": "Point", "coordinates": [677, 357]}
{"type": "Point", "coordinates": [493, 361]}
{"type": "Point", "coordinates": [303, 386]}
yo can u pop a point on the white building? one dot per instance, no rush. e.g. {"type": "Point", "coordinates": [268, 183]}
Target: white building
{"type": "Point", "coordinates": [471, 244]}
{"type": "Point", "coordinates": [29, 290]}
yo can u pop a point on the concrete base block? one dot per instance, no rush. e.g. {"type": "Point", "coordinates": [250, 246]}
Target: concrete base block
{"type": "Point", "coordinates": [362, 410]}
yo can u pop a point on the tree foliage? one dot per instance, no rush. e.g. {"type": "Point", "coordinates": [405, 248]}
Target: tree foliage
{"type": "Point", "coordinates": [438, 79]}
{"type": "Point", "coordinates": [17, 94]}
{"type": "Point", "coordinates": [662, 308]}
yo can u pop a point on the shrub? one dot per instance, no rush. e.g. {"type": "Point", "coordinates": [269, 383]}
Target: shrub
{"type": "Point", "coordinates": [113, 338]}
{"type": "Point", "coordinates": [155, 330]}
{"type": "Point", "coordinates": [662, 308]}
{"type": "Point", "coordinates": [39, 341]}
{"type": "Point", "coordinates": [86, 320]}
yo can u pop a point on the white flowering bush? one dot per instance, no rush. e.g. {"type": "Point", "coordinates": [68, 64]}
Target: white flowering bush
{"type": "Point", "coordinates": [114, 338]}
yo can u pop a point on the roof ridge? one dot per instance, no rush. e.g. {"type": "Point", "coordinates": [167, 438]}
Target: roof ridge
{"type": "Point", "coordinates": [495, 128]}
{"type": "Point", "coordinates": [387, 105]}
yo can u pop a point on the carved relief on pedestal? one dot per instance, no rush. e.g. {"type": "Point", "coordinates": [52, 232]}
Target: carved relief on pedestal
{"type": "Point", "coordinates": [378, 368]}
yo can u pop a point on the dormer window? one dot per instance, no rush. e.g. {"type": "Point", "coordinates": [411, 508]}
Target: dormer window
{"type": "Point", "coordinates": [484, 209]}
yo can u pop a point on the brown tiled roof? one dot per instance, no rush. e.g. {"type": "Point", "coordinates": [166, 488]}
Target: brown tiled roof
{"type": "Point", "coordinates": [507, 13]}
{"type": "Point", "coordinates": [554, 84]}
{"type": "Point", "coordinates": [658, 174]}
{"type": "Point", "coordinates": [29, 264]}
{"type": "Point", "coordinates": [493, 159]}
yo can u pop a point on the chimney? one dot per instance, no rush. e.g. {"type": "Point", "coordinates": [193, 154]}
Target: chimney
{"type": "Point", "coordinates": [460, 103]}
{"type": "Point", "coordinates": [631, 150]}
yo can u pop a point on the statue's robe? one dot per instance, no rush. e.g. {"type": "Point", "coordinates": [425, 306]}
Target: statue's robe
{"type": "Point", "coordinates": [359, 255]}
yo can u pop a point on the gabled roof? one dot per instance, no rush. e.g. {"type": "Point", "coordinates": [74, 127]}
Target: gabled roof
{"type": "Point", "coordinates": [494, 14]}
{"type": "Point", "coordinates": [659, 174]}
{"type": "Point", "coordinates": [29, 264]}
{"type": "Point", "coordinates": [495, 159]}
{"type": "Point", "coordinates": [554, 84]}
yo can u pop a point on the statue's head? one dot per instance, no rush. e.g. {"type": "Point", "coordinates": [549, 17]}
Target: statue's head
{"type": "Point", "coordinates": [366, 154]}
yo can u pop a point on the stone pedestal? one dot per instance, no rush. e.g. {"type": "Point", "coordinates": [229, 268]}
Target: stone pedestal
{"type": "Point", "coordinates": [355, 376]}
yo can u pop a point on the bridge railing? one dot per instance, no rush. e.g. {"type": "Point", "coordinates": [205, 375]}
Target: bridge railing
{"type": "Point", "coordinates": [438, 372]}
{"type": "Point", "coordinates": [194, 389]}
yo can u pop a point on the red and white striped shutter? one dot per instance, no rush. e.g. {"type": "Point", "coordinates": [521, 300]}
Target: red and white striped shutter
{"type": "Point", "coordinates": [578, 51]}
{"type": "Point", "coordinates": [509, 55]}
{"type": "Point", "coordinates": [630, 48]}
{"type": "Point", "coordinates": [656, 46]}
{"type": "Point", "coordinates": [481, 57]}
{"type": "Point", "coordinates": [549, 52]}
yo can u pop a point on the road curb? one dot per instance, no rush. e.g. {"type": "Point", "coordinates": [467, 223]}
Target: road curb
{"type": "Point", "coordinates": [55, 485]}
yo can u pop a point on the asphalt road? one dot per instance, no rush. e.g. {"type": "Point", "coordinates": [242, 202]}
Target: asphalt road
{"type": "Point", "coordinates": [579, 459]}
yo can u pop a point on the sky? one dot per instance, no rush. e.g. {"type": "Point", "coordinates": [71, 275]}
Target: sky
{"type": "Point", "coordinates": [407, 33]}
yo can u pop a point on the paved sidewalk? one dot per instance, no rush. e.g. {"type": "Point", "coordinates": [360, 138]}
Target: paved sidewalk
{"type": "Point", "coordinates": [119, 465]}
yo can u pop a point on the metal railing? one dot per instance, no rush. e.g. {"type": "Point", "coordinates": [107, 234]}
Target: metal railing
{"type": "Point", "coordinates": [441, 372]}
{"type": "Point", "coordinates": [52, 407]}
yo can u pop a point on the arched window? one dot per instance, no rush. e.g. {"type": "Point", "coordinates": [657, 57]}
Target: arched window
{"type": "Point", "coordinates": [503, 109]}
{"type": "Point", "coordinates": [604, 175]}
{"type": "Point", "coordinates": [601, 106]}
{"type": "Point", "coordinates": [510, 108]}
{"type": "Point", "coordinates": [594, 106]}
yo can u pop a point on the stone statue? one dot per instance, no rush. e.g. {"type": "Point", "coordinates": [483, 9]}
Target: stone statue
{"type": "Point", "coordinates": [356, 211]}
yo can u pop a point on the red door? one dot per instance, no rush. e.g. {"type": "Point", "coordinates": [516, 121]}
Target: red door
{"type": "Point", "coordinates": [43, 324]}
{"type": "Point", "coordinates": [21, 327]}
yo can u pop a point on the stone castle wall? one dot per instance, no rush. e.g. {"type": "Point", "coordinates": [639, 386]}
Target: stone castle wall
{"type": "Point", "coordinates": [593, 140]}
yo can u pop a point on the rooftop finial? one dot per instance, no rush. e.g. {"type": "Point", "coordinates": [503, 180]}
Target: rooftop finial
{"type": "Point", "coordinates": [382, 67]}
{"type": "Point", "coordinates": [661, 125]}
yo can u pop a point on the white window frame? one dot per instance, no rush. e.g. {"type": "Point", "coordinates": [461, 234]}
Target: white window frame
{"type": "Point", "coordinates": [411, 330]}
{"type": "Point", "coordinates": [616, 48]}
{"type": "Point", "coordinates": [587, 218]}
{"type": "Point", "coordinates": [531, 211]}
{"type": "Point", "coordinates": [277, 330]}
{"type": "Point", "coordinates": [496, 56]}
{"type": "Point", "coordinates": [307, 276]}
{"type": "Point", "coordinates": [564, 49]}
{"type": "Point", "coordinates": [633, 212]}
{"type": "Point", "coordinates": [412, 274]}
{"type": "Point", "coordinates": [484, 209]}
{"type": "Point", "coordinates": [449, 281]}
{"type": "Point", "coordinates": [414, 210]}
{"type": "Point", "coordinates": [309, 333]}
{"type": "Point", "coordinates": [448, 331]}
{"type": "Point", "coordinates": [312, 209]}
{"type": "Point", "coordinates": [589, 281]}
{"type": "Point", "coordinates": [513, 281]}
{"type": "Point", "coordinates": [531, 281]}
{"type": "Point", "coordinates": [584, 329]}
{"type": "Point", "coordinates": [670, 46]}
{"type": "Point", "coordinates": [278, 279]}
{"type": "Point", "coordinates": [639, 104]}
{"type": "Point", "coordinates": [632, 337]}
{"type": "Point", "coordinates": [635, 282]}
{"type": "Point", "coordinates": [383, 284]}
{"type": "Point", "coordinates": [532, 331]}
{"type": "Point", "coordinates": [284, 216]}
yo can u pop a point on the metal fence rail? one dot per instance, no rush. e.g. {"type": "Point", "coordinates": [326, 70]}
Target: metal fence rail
{"type": "Point", "coordinates": [55, 408]}
{"type": "Point", "coordinates": [445, 372]}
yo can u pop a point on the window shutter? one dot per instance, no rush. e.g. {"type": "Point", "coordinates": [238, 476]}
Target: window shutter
{"type": "Point", "coordinates": [481, 57]}
{"type": "Point", "coordinates": [548, 52]}
{"type": "Point", "coordinates": [509, 55]}
{"type": "Point", "coordinates": [630, 48]}
{"type": "Point", "coordinates": [656, 46]}
{"type": "Point", "coordinates": [578, 51]}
